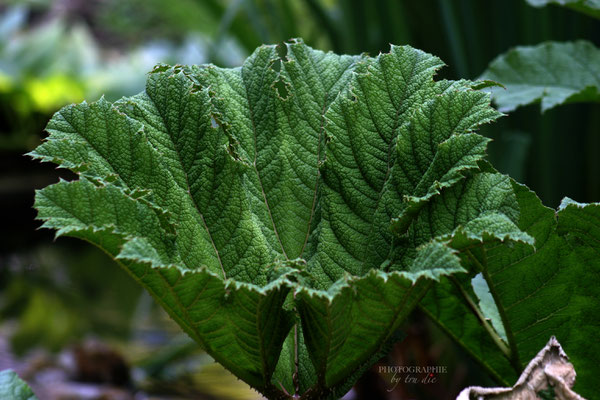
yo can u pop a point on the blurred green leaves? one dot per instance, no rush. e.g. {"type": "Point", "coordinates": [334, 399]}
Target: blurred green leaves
{"type": "Point", "coordinates": [55, 296]}
{"type": "Point", "coordinates": [30, 66]}
{"type": "Point", "coordinates": [55, 63]}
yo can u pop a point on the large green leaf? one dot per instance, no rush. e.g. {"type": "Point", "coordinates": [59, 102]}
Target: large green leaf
{"type": "Point", "coordinates": [589, 7]}
{"type": "Point", "coordinates": [255, 203]}
{"type": "Point", "coordinates": [579, 225]}
{"type": "Point", "coordinates": [13, 388]}
{"type": "Point", "coordinates": [551, 73]}
{"type": "Point", "coordinates": [549, 291]}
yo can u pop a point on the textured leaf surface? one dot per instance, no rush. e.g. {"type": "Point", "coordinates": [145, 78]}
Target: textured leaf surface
{"type": "Point", "coordinates": [539, 293]}
{"type": "Point", "coordinates": [12, 387]}
{"type": "Point", "coordinates": [290, 213]}
{"type": "Point", "coordinates": [589, 7]}
{"type": "Point", "coordinates": [551, 73]}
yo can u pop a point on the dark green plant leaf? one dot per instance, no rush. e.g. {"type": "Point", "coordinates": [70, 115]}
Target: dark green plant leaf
{"type": "Point", "coordinates": [255, 203]}
{"type": "Point", "coordinates": [551, 73]}
{"type": "Point", "coordinates": [13, 388]}
{"type": "Point", "coordinates": [539, 293]}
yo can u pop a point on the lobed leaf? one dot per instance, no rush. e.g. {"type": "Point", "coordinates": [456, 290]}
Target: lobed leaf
{"type": "Point", "coordinates": [290, 213]}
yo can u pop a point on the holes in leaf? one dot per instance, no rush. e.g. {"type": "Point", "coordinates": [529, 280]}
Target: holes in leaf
{"type": "Point", "coordinates": [160, 68]}
{"type": "Point", "coordinates": [282, 90]}
{"type": "Point", "coordinates": [128, 108]}
{"type": "Point", "coordinates": [139, 193]}
{"type": "Point", "coordinates": [281, 50]}
{"type": "Point", "coordinates": [280, 85]}
{"type": "Point", "coordinates": [196, 87]}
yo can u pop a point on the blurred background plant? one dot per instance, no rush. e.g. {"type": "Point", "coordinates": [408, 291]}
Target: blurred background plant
{"type": "Point", "coordinates": [57, 52]}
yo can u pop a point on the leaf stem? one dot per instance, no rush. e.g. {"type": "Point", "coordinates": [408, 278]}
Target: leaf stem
{"type": "Point", "coordinates": [513, 354]}
{"type": "Point", "coordinates": [295, 377]}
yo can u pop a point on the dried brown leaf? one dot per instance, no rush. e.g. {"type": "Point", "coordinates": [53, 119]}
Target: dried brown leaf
{"type": "Point", "coordinates": [549, 369]}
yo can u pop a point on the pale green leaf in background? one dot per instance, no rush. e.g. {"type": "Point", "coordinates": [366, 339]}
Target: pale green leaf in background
{"type": "Point", "coordinates": [551, 73]}
{"type": "Point", "coordinates": [589, 7]}
{"type": "Point", "coordinates": [487, 305]}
